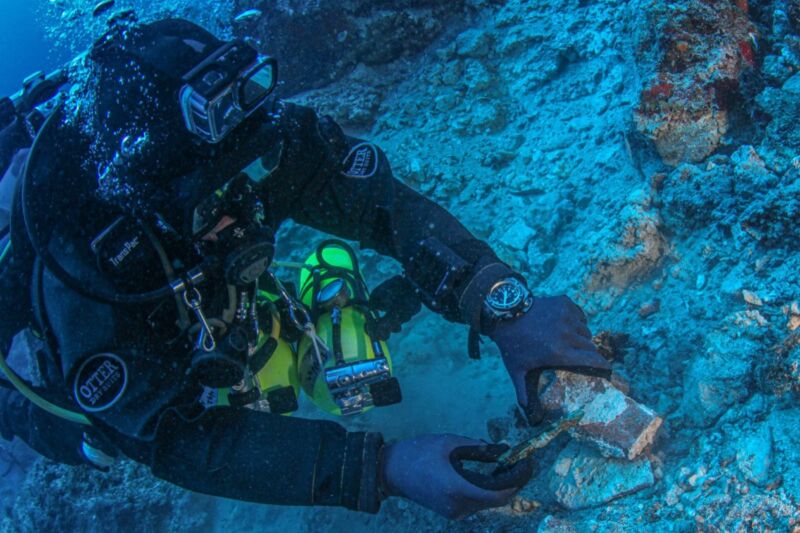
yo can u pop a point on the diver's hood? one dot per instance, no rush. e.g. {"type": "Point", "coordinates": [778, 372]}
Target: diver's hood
{"type": "Point", "coordinates": [61, 184]}
{"type": "Point", "coordinates": [64, 201]}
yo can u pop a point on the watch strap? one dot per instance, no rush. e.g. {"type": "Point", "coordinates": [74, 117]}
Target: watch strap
{"type": "Point", "coordinates": [474, 342]}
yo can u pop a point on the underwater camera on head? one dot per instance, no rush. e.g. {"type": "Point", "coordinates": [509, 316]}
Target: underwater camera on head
{"type": "Point", "coordinates": [225, 88]}
{"type": "Point", "coordinates": [224, 84]}
{"type": "Point", "coordinates": [345, 371]}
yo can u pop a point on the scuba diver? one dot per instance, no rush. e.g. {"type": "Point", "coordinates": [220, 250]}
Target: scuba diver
{"type": "Point", "coordinates": [143, 204]}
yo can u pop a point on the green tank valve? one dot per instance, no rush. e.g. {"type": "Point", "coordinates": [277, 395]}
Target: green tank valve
{"type": "Point", "coordinates": [527, 448]}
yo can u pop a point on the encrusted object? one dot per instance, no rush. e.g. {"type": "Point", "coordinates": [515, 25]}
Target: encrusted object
{"type": "Point", "coordinates": [615, 423]}
{"type": "Point", "coordinates": [527, 448]}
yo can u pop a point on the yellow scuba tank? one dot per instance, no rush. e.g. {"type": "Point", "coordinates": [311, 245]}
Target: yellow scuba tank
{"type": "Point", "coordinates": [350, 372]}
{"type": "Point", "coordinates": [275, 386]}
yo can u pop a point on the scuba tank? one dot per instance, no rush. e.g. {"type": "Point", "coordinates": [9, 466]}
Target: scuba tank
{"type": "Point", "coordinates": [348, 372]}
{"type": "Point", "coordinates": [21, 117]}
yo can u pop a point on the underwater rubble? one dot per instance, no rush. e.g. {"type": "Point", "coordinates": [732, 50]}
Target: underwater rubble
{"type": "Point", "coordinates": [84, 499]}
{"type": "Point", "coordinates": [642, 157]}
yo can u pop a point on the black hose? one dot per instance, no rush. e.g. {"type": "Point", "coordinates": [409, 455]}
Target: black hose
{"type": "Point", "coordinates": [84, 288]}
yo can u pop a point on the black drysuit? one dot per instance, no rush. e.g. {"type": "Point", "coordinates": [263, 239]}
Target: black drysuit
{"type": "Point", "coordinates": [314, 174]}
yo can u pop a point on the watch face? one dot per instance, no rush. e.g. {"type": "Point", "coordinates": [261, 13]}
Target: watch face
{"type": "Point", "coordinates": [505, 296]}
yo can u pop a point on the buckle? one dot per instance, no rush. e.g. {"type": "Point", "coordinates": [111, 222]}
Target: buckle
{"type": "Point", "coordinates": [351, 385]}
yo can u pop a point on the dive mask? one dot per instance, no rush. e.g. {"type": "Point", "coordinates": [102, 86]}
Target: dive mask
{"type": "Point", "coordinates": [235, 217]}
{"type": "Point", "coordinates": [226, 88]}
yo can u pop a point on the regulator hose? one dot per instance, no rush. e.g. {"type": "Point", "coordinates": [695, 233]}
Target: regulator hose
{"type": "Point", "coordinates": [37, 400]}
{"type": "Point", "coordinates": [39, 242]}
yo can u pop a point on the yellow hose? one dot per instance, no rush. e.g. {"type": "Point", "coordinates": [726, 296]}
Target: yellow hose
{"type": "Point", "coordinates": [37, 400]}
{"type": "Point", "coordinates": [275, 332]}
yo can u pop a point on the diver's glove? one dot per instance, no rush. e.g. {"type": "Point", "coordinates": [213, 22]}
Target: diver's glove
{"type": "Point", "coordinates": [552, 334]}
{"type": "Point", "coordinates": [394, 302]}
{"type": "Point", "coordinates": [430, 471]}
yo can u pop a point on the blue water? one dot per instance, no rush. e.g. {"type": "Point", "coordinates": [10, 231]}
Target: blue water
{"type": "Point", "coordinates": [23, 48]}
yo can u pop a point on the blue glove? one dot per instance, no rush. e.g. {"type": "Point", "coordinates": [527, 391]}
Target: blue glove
{"type": "Point", "coordinates": [551, 335]}
{"type": "Point", "coordinates": [429, 470]}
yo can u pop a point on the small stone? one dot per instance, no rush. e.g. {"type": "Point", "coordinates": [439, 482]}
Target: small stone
{"type": "Point", "coordinates": [650, 308]}
{"type": "Point", "coordinates": [415, 170]}
{"type": "Point", "coordinates": [593, 479]}
{"type": "Point", "coordinates": [732, 283]}
{"type": "Point", "coordinates": [781, 23]}
{"type": "Point", "coordinates": [451, 74]}
{"type": "Point", "coordinates": [714, 381]}
{"type": "Point", "coordinates": [473, 43]}
{"type": "Point", "coordinates": [250, 14]}
{"type": "Point", "coordinates": [445, 102]}
{"type": "Point", "coordinates": [540, 264]}
{"type": "Point", "coordinates": [752, 298]}
{"type": "Point", "coordinates": [476, 76]}
{"type": "Point", "coordinates": [522, 505]}
{"type": "Point", "coordinates": [640, 197]}
{"type": "Point", "coordinates": [518, 235]}
{"type": "Point", "coordinates": [657, 180]}
{"type": "Point", "coordinates": [794, 323]}
{"type": "Point", "coordinates": [754, 455]}
{"type": "Point", "coordinates": [749, 318]}
{"type": "Point", "coordinates": [674, 495]}
{"type": "Point", "coordinates": [700, 283]}
{"type": "Point", "coordinates": [551, 524]}
{"type": "Point", "coordinates": [792, 85]}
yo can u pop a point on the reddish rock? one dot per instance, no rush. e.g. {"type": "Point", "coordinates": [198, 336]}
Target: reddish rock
{"type": "Point", "coordinates": [612, 421]}
{"type": "Point", "coordinates": [696, 54]}
{"type": "Point", "coordinates": [650, 308]}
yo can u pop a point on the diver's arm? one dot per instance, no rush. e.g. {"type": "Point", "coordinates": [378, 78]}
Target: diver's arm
{"type": "Point", "coordinates": [156, 419]}
{"type": "Point", "coordinates": [264, 458]}
{"type": "Point", "coordinates": [330, 182]}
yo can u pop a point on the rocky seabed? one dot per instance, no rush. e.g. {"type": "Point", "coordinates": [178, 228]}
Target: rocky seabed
{"type": "Point", "coordinates": [642, 157]}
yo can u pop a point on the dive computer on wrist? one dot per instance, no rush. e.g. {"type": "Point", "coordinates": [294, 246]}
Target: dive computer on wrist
{"type": "Point", "coordinates": [507, 298]}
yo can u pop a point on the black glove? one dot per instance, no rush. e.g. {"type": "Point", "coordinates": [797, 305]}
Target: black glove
{"type": "Point", "coordinates": [551, 335]}
{"type": "Point", "coordinates": [429, 470]}
{"type": "Point", "coordinates": [398, 301]}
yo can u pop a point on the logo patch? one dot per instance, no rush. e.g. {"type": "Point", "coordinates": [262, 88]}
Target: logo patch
{"type": "Point", "coordinates": [100, 382]}
{"type": "Point", "coordinates": [209, 397]}
{"type": "Point", "coordinates": [361, 162]}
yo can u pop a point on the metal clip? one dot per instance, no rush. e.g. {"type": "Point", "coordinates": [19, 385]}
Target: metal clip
{"type": "Point", "coordinates": [292, 305]}
{"type": "Point", "coordinates": [206, 339]}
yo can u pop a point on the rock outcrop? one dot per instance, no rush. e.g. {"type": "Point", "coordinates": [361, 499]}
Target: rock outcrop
{"type": "Point", "coordinates": [583, 478]}
{"type": "Point", "coordinates": [339, 35]}
{"type": "Point", "coordinates": [694, 56]}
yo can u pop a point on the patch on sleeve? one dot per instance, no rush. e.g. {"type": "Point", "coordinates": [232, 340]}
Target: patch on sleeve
{"type": "Point", "coordinates": [361, 162]}
{"type": "Point", "coordinates": [100, 382]}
